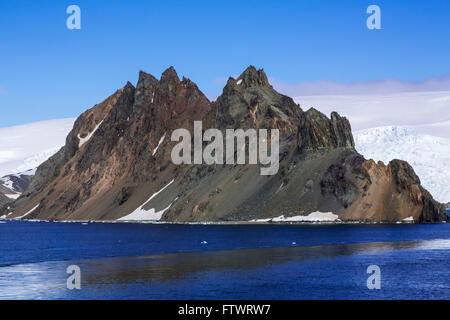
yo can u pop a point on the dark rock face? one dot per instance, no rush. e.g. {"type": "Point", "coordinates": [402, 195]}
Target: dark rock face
{"type": "Point", "coordinates": [316, 131]}
{"type": "Point", "coordinates": [408, 182]}
{"type": "Point", "coordinates": [4, 199]}
{"type": "Point", "coordinates": [342, 131]}
{"type": "Point", "coordinates": [432, 211]}
{"type": "Point", "coordinates": [118, 156]}
{"type": "Point", "coordinates": [336, 184]}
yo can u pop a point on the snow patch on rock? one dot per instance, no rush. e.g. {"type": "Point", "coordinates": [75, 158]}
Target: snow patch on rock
{"type": "Point", "coordinates": [89, 136]}
{"type": "Point", "coordinates": [13, 196]}
{"type": "Point", "coordinates": [159, 143]}
{"type": "Point", "coordinates": [140, 214]}
{"type": "Point", "coordinates": [23, 216]}
{"type": "Point", "coordinates": [312, 217]}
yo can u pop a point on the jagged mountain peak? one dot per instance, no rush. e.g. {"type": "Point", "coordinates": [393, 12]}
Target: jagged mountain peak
{"type": "Point", "coordinates": [186, 82]}
{"type": "Point", "coordinates": [128, 85]}
{"type": "Point", "coordinates": [145, 90]}
{"type": "Point", "coordinates": [253, 77]}
{"type": "Point", "coordinates": [336, 116]}
{"type": "Point", "coordinates": [314, 114]}
{"type": "Point", "coordinates": [145, 79]}
{"type": "Point", "coordinates": [251, 102]}
{"type": "Point", "coordinates": [170, 76]}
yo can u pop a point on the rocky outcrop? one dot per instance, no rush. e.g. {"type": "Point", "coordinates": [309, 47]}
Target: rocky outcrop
{"type": "Point", "coordinates": [376, 192]}
{"type": "Point", "coordinates": [316, 131]}
{"type": "Point", "coordinates": [116, 161]}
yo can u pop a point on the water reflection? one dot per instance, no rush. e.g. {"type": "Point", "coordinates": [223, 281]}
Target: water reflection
{"type": "Point", "coordinates": [48, 279]}
{"type": "Point", "coordinates": [170, 267]}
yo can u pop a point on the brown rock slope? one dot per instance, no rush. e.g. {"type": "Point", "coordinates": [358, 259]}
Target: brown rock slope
{"type": "Point", "coordinates": [117, 159]}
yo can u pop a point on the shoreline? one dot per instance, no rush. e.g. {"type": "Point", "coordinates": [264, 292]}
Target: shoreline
{"type": "Point", "coordinates": [317, 223]}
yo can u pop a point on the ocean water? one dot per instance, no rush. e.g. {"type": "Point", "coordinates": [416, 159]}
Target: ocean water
{"type": "Point", "coordinates": [160, 261]}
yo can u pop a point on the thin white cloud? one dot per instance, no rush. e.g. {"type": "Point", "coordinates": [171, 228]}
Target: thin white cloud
{"type": "Point", "coordinates": [429, 111]}
{"type": "Point", "coordinates": [422, 104]}
{"type": "Point", "coordinates": [385, 86]}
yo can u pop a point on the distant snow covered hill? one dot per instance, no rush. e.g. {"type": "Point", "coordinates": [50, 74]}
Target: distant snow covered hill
{"type": "Point", "coordinates": [428, 111]}
{"type": "Point", "coordinates": [12, 186]}
{"type": "Point", "coordinates": [25, 147]}
{"type": "Point", "coordinates": [428, 155]}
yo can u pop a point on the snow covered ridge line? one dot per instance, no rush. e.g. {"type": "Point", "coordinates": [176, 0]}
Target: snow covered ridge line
{"type": "Point", "coordinates": [12, 186]}
{"type": "Point", "coordinates": [7, 183]}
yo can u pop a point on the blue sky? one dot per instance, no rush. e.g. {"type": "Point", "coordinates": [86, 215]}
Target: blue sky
{"type": "Point", "coordinates": [48, 71]}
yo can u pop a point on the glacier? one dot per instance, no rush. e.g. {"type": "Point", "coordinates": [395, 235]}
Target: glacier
{"type": "Point", "coordinates": [25, 147]}
{"type": "Point", "coordinates": [428, 155]}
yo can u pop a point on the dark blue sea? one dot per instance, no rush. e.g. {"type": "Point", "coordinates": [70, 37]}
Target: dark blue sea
{"type": "Point", "coordinates": [160, 261]}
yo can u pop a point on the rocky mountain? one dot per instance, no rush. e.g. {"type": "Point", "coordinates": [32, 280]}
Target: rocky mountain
{"type": "Point", "coordinates": [116, 163]}
{"type": "Point", "coordinates": [428, 155]}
